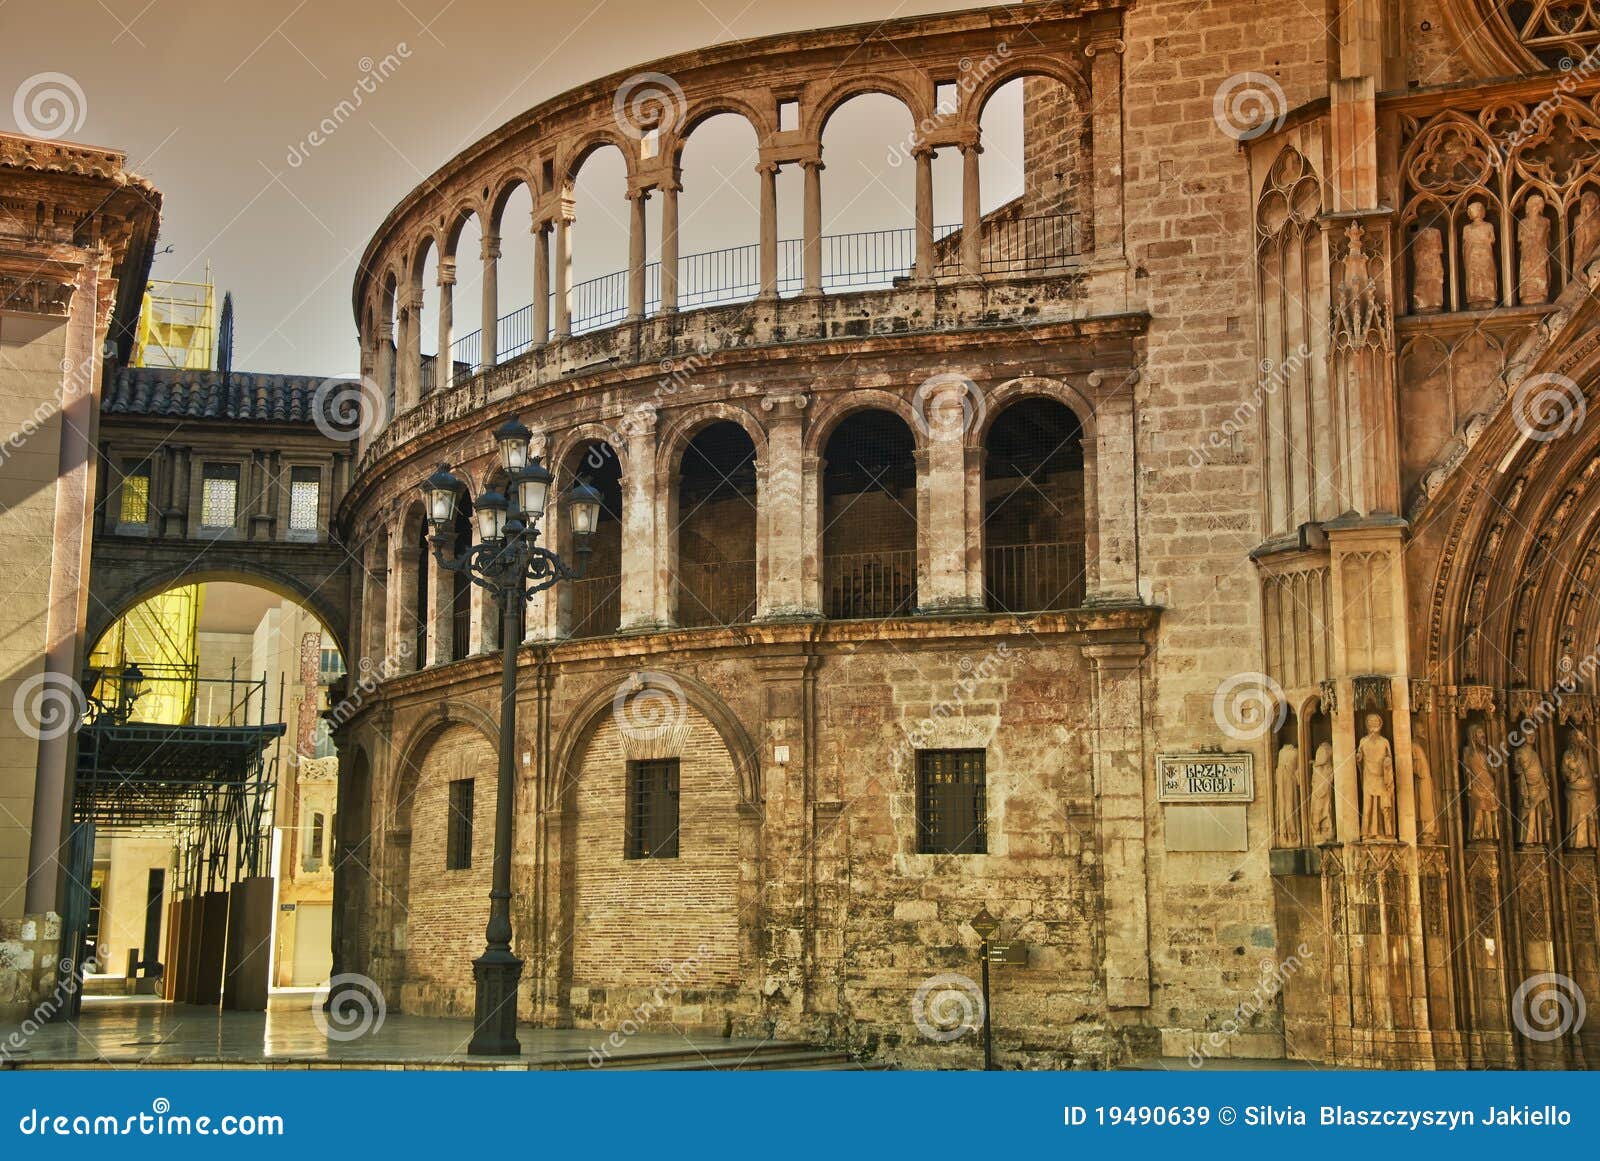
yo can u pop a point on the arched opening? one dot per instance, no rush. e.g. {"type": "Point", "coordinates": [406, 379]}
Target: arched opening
{"type": "Point", "coordinates": [427, 317]}
{"type": "Point", "coordinates": [1033, 508]}
{"type": "Point", "coordinates": [460, 585]}
{"type": "Point", "coordinates": [184, 829]}
{"type": "Point", "coordinates": [869, 517]}
{"type": "Point", "coordinates": [719, 215]}
{"type": "Point", "coordinates": [388, 351]}
{"type": "Point", "coordinates": [1035, 172]}
{"type": "Point", "coordinates": [513, 272]}
{"type": "Point", "coordinates": [463, 274]}
{"type": "Point", "coordinates": [715, 526]}
{"type": "Point", "coordinates": [592, 606]}
{"type": "Point", "coordinates": [599, 240]}
{"type": "Point", "coordinates": [868, 208]}
{"type": "Point", "coordinates": [417, 604]}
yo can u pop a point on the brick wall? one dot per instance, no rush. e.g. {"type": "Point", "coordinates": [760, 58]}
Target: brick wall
{"type": "Point", "coordinates": [448, 909]}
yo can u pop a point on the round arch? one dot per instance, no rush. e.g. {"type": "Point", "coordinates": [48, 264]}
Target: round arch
{"type": "Point", "coordinates": [1000, 397]}
{"type": "Point", "coordinates": [906, 90]}
{"type": "Point", "coordinates": [970, 112]}
{"type": "Point", "coordinates": [845, 404]}
{"type": "Point", "coordinates": [705, 108]}
{"type": "Point", "coordinates": [306, 591]}
{"type": "Point", "coordinates": [675, 440]}
{"type": "Point", "coordinates": [592, 710]}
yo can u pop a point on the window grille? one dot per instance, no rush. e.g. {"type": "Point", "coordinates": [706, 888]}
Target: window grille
{"type": "Point", "coordinates": [305, 497]}
{"type": "Point", "coordinates": [653, 809]}
{"type": "Point", "coordinates": [951, 802]}
{"type": "Point", "coordinates": [458, 836]}
{"type": "Point", "coordinates": [219, 496]}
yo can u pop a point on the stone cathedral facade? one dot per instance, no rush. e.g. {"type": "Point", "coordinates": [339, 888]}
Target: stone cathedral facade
{"type": "Point", "coordinates": [1188, 560]}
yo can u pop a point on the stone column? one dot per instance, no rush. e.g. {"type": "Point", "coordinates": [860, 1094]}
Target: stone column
{"type": "Point", "coordinates": [399, 634]}
{"type": "Point", "coordinates": [669, 246]}
{"type": "Point", "coordinates": [1105, 83]}
{"type": "Point", "coordinates": [489, 336]}
{"type": "Point", "coordinates": [769, 228]}
{"type": "Point", "coordinates": [1116, 537]}
{"type": "Point", "coordinates": [374, 613]}
{"type": "Point", "coordinates": [443, 364]}
{"type": "Point", "coordinates": [440, 610]}
{"type": "Point", "coordinates": [812, 227]}
{"type": "Point", "coordinates": [541, 284]}
{"type": "Point", "coordinates": [642, 582]}
{"type": "Point", "coordinates": [971, 213]}
{"type": "Point", "coordinates": [944, 524]}
{"type": "Point", "coordinates": [1120, 802]}
{"type": "Point", "coordinates": [407, 390]}
{"type": "Point", "coordinates": [385, 366]}
{"type": "Point", "coordinates": [923, 270]}
{"type": "Point", "coordinates": [780, 541]}
{"type": "Point", "coordinates": [638, 201]}
{"type": "Point", "coordinates": [563, 274]}
{"type": "Point", "coordinates": [811, 468]}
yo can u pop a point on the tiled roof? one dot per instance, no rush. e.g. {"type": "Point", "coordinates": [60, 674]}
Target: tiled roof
{"type": "Point", "coordinates": [253, 398]}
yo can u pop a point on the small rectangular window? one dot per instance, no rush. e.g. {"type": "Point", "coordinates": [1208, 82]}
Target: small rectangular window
{"type": "Point", "coordinates": [952, 804]}
{"type": "Point", "coordinates": [945, 98]}
{"type": "Point", "coordinates": [653, 809]}
{"type": "Point", "coordinates": [219, 496]}
{"type": "Point", "coordinates": [135, 505]}
{"type": "Point", "coordinates": [458, 835]}
{"type": "Point", "coordinates": [788, 116]}
{"type": "Point", "coordinates": [305, 497]}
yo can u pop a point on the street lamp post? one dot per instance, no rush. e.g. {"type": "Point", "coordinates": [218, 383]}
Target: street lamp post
{"type": "Point", "coordinates": [508, 562]}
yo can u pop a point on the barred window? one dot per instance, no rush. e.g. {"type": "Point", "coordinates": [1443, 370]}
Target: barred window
{"type": "Point", "coordinates": [458, 835]}
{"type": "Point", "coordinates": [135, 506]}
{"type": "Point", "coordinates": [652, 822]}
{"type": "Point", "coordinates": [305, 496]}
{"type": "Point", "coordinates": [952, 802]}
{"type": "Point", "coordinates": [219, 496]}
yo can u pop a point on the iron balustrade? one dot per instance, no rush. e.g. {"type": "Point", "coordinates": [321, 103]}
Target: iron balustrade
{"type": "Point", "coordinates": [1030, 578]}
{"type": "Point", "coordinates": [864, 260]}
{"type": "Point", "coordinates": [596, 608]}
{"type": "Point", "coordinates": [722, 593]}
{"type": "Point", "coordinates": [870, 584]}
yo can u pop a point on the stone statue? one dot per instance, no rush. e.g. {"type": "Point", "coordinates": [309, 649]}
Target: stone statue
{"type": "Point", "coordinates": [1533, 793]}
{"type": "Point", "coordinates": [1533, 254]}
{"type": "Point", "coordinates": [1427, 269]}
{"type": "Point", "coordinates": [1322, 830]}
{"type": "Point", "coordinates": [1427, 796]}
{"type": "Point", "coordinates": [1286, 786]}
{"type": "Point", "coordinates": [1478, 257]}
{"type": "Point", "coordinates": [1583, 831]}
{"type": "Point", "coordinates": [1375, 763]}
{"type": "Point", "coordinates": [1483, 804]}
{"type": "Point", "coordinates": [1586, 229]}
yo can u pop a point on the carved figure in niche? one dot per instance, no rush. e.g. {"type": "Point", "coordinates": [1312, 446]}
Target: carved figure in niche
{"type": "Point", "coordinates": [1533, 253]}
{"type": "Point", "coordinates": [1286, 785]}
{"type": "Point", "coordinates": [1533, 792]}
{"type": "Point", "coordinates": [1375, 763]}
{"type": "Point", "coordinates": [1584, 831]}
{"type": "Point", "coordinates": [1427, 269]}
{"type": "Point", "coordinates": [1427, 796]}
{"type": "Point", "coordinates": [1586, 229]}
{"type": "Point", "coordinates": [1477, 256]}
{"type": "Point", "coordinates": [1483, 805]}
{"type": "Point", "coordinates": [1322, 794]}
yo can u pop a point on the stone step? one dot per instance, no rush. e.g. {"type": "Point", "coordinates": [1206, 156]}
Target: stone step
{"type": "Point", "coordinates": [767, 1057]}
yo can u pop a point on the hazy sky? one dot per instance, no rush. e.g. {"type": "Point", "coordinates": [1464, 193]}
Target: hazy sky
{"type": "Point", "coordinates": [209, 99]}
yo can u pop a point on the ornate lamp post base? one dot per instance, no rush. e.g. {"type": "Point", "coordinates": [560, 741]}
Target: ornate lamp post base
{"type": "Point", "coordinates": [497, 972]}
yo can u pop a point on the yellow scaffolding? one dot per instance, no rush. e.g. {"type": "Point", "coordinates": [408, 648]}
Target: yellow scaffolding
{"type": "Point", "coordinates": [162, 636]}
{"type": "Point", "coordinates": [178, 325]}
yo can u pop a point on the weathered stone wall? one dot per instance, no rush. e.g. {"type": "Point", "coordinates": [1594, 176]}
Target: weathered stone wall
{"type": "Point", "coordinates": [29, 968]}
{"type": "Point", "coordinates": [1190, 237]}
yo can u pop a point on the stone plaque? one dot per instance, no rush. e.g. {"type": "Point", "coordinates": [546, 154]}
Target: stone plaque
{"type": "Point", "coordinates": [1205, 778]}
